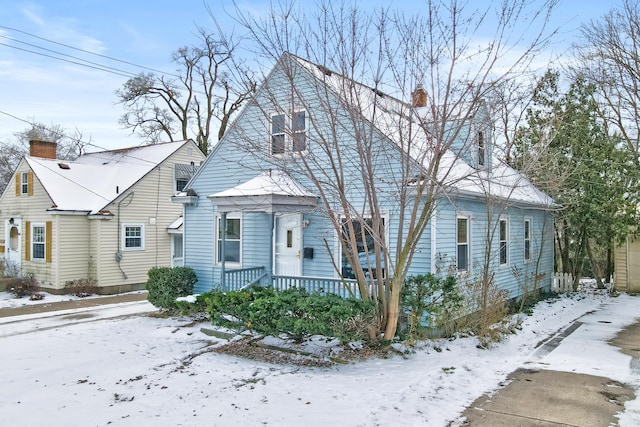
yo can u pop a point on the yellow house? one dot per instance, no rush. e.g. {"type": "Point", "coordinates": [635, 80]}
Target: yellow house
{"type": "Point", "coordinates": [627, 262]}
{"type": "Point", "coordinates": [106, 216]}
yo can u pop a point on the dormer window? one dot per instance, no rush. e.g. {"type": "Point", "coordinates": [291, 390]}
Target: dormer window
{"type": "Point", "coordinates": [289, 134]}
{"type": "Point", "coordinates": [482, 150]}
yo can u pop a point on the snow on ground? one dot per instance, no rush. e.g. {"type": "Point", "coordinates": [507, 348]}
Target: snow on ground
{"type": "Point", "coordinates": [138, 370]}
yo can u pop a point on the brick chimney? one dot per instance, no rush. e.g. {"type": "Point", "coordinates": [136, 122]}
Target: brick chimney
{"type": "Point", "coordinates": [419, 97]}
{"type": "Point", "coordinates": [44, 149]}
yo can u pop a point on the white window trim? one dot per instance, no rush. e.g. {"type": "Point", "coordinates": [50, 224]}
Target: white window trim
{"type": "Point", "coordinates": [124, 237]}
{"type": "Point", "coordinates": [24, 183]}
{"type": "Point", "coordinates": [217, 217]}
{"type": "Point", "coordinates": [504, 219]}
{"type": "Point", "coordinates": [288, 132]}
{"type": "Point", "coordinates": [481, 135]}
{"type": "Point", "coordinates": [467, 216]}
{"type": "Point", "coordinates": [43, 243]}
{"type": "Point", "coordinates": [524, 239]}
{"type": "Point", "coordinates": [338, 246]}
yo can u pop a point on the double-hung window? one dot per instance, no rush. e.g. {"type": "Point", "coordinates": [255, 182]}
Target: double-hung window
{"type": "Point", "coordinates": [482, 149]}
{"type": "Point", "coordinates": [132, 237]}
{"type": "Point", "coordinates": [182, 174]}
{"type": "Point", "coordinates": [527, 240]}
{"type": "Point", "coordinates": [38, 242]}
{"type": "Point", "coordinates": [462, 243]}
{"type": "Point", "coordinates": [232, 240]}
{"type": "Point", "coordinates": [503, 232]}
{"type": "Point", "coordinates": [24, 183]}
{"type": "Point", "coordinates": [289, 133]}
{"type": "Point", "coordinates": [365, 247]}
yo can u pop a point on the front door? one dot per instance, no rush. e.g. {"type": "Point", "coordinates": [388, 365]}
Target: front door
{"type": "Point", "coordinates": [177, 250]}
{"type": "Point", "coordinates": [12, 243]}
{"type": "Point", "coordinates": [288, 251]}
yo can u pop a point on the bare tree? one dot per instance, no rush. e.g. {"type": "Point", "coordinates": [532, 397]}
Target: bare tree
{"type": "Point", "coordinates": [610, 59]}
{"type": "Point", "coordinates": [210, 86]}
{"type": "Point", "coordinates": [368, 145]}
{"type": "Point", "coordinates": [69, 147]}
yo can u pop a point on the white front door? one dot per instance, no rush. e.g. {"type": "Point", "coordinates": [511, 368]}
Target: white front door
{"type": "Point", "coordinates": [12, 244]}
{"type": "Point", "coordinates": [288, 251]}
{"type": "Point", "coordinates": [177, 250]}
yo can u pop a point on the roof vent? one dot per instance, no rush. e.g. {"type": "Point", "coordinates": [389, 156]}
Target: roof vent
{"type": "Point", "coordinates": [325, 70]}
{"type": "Point", "coordinates": [64, 166]}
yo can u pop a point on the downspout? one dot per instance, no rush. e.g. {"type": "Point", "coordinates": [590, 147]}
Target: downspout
{"type": "Point", "coordinates": [271, 249]}
{"type": "Point", "coordinates": [223, 230]}
{"type": "Point", "coordinates": [128, 198]}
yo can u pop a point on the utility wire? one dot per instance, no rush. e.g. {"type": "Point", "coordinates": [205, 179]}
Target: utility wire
{"type": "Point", "coordinates": [88, 52]}
{"type": "Point", "coordinates": [101, 66]}
{"type": "Point", "coordinates": [84, 64]}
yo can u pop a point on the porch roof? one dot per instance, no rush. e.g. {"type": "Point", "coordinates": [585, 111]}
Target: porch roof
{"type": "Point", "coordinates": [176, 226]}
{"type": "Point", "coordinates": [271, 191]}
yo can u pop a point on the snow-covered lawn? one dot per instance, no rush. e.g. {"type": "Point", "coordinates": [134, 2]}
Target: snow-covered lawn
{"type": "Point", "coordinates": [133, 371]}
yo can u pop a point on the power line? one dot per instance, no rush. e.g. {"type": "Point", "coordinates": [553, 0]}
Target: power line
{"type": "Point", "coordinates": [88, 51]}
{"type": "Point", "coordinates": [100, 67]}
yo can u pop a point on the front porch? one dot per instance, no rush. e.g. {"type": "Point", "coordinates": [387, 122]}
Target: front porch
{"type": "Point", "coordinates": [242, 278]}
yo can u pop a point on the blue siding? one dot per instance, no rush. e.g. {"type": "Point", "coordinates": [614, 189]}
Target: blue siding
{"type": "Point", "coordinates": [243, 154]}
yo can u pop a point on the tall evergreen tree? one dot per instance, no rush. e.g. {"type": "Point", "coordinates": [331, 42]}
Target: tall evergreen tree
{"type": "Point", "coordinates": [586, 170]}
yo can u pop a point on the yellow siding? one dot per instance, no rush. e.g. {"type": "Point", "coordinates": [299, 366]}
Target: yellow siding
{"type": "Point", "coordinates": [151, 207]}
{"type": "Point", "coordinates": [620, 262]}
{"type": "Point", "coordinates": [32, 209]}
{"type": "Point", "coordinates": [74, 242]}
{"type": "Point", "coordinates": [84, 248]}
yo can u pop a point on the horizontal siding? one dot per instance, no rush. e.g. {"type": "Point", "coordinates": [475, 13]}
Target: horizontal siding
{"type": "Point", "coordinates": [150, 205]}
{"type": "Point", "coordinates": [74, 254]}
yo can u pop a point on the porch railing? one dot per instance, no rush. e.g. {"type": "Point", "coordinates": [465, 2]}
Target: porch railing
{"type": "Point", "coordinates": [244, 277]}
{"type": "Point", "coordinates": [318, 285]}
{"type": "Point", "coordinates": [241, 278]}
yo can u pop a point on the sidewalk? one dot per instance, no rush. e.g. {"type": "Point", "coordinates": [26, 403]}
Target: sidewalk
{"type": "Point", "coordinates": [540, 397]}
{"type": "Point", "coordinates": [70, 305]}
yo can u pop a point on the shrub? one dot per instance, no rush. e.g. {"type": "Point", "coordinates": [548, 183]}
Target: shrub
{"type": "Point", "coordinates": [293, 312]}
{"type": "Point", "coordinates": [24, 286]}
{"type": "Point", "coordinates": [165, 284]}
{"type": "Point", "coordinates": [81, 287]}
{"type": "Point", "coordinates": [196, 308]}
{"type": "Point", "coordinates": [428, 302]}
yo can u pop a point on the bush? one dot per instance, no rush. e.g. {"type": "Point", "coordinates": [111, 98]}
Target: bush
{"type": "Point", "coordinates": [293, 312]}
{"type": "Point", "coordinates": [196, 308]}
{"type": "Point", "coordinates": [435, 298]}
{"type": "Point", "coordinates": [165, 284]}
{"type": "Point", "coordinates": [24, 286]}
{"type": "Point", "coordinates": [81, 287]}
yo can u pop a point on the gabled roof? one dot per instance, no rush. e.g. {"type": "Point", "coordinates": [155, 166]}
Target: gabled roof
{"type": "Point", "coordinates": [94, 180]}
{"type": "Point", "coordinates": [394, 118]}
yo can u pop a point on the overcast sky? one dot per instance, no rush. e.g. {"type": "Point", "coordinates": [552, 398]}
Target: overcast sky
{"type": "Point", "coordinates": [131, 35]}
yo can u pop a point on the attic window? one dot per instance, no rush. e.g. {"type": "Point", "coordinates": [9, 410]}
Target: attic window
{"type": "Point", "coordinates": [64, 166]}
{"type": "Point", "coordinates": [482, 150]}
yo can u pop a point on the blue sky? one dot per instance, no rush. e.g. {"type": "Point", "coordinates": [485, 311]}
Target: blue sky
{"type": "Point", "coordinates": [34, 87]}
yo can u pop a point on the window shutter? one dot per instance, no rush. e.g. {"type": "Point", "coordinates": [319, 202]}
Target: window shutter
{"type": "Point", "coordinates": [30, 183]}
{"type": "Point", "coordinates": [47, 246]}
{"type": "Point", "coordinates": [27, 241]}
{"type": "Point", "coordinates": [18, 184]}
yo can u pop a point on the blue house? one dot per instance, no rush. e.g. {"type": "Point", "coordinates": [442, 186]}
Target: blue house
{"type": "Point", "coordinates": [316, 153]}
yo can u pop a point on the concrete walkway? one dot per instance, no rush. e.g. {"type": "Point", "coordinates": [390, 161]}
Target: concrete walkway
{"type": "Point", "coordinates": [552, 398]}
{"type": "Point", "coordinates": [70, 305]}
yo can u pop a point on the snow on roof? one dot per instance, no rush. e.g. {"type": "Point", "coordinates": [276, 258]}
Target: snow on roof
{"type": "Point", "coordinates": [397, 120]}
{"type": "Point", "coordinates": [271, 182]}
{"type": "Point", "coordinates": [94, 180]}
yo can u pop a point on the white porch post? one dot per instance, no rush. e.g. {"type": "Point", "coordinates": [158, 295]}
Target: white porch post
{"type": "Point", "coordinates": [223, 231]}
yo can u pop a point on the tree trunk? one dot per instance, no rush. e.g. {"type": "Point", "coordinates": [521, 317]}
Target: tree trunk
{"type": "Point", "coordinates": [393, 315]}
